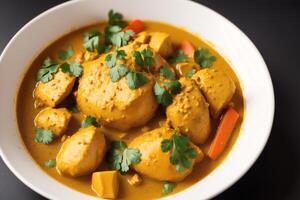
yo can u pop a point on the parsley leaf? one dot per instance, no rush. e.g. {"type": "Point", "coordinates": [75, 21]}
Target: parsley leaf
{"type": "Point", "coordinates": [136, 79]}
{"type": "Point", "coordinates": [45, 74]}
{"type": "Point", "coordinates": [179, 57]}
{"type": "Point", "coordinates": [174, 86]}
{"type": "Point", "coordinates": [168, 187]}
{"type": "Point", "coordinates": [50, 163]}
{"type": "Point", "coordinates": [181, 152]}
{"type": "Point", "coordinates": [73, 68]}
{"type": "Point", "coordinates": [117, 72]}
{"type": "Point", "coordinates": [167, 73]}
{"type": "Point", "coordinates": [190, 73]}
{"type": "Point", "coordinates": [162, 95]}
{"type": "Point", "coordinates": [121, 38]}
{"type": "Point", "coordinates": [43, 136]}
{"type": "Point", "coordinates": [144, 58]}
{"type": "Point", "coordinates": [121, 158]}
{"type": "Point", "coordinates": [116, 19]}
{"type": "Point", "coordinates": [204, 58]}
{"type": "Point", "coordinates": [91, 40]}
{"type": "Point", "coordinates": [89, 121]}
{"type": "Point", "coordinates": [65, 55]}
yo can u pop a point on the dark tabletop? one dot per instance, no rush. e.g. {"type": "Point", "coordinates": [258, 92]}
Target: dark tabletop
{"type": "Point", "coordinates": [274, 27]}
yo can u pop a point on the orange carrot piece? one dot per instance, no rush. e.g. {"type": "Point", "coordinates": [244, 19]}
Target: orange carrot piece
{"type": "Point", "coordinates": [136, 26]}
{"type": "Point", "coordinates": [223, 134]}
{"type": "Point", "coordinates": [187, 48]}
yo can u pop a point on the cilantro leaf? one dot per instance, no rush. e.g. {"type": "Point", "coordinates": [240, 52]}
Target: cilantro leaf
{"type": "Point", "coordinates": [121, 158]}
{"type": "Point", "coordinates": [166, 145]}
{"type": "Point", "coordinates": [45, 74]}
{"type": "Point", "coordinates": [144, 58]}
{"type": "Point", "coordinates": [116, 19]}
{"type": "Point", "coordinates": [121, 54]}
{"type": "Point", "coordinates": [73, 109]}
{"type": "Point", "coordinates": [136, 79]}
{"type": "Point", "coordinates": [190, 73]}
{"type": "Point", "coordinates": [111, 59]}
{"type": "Point", "coordinates": [168, 187]}
{"type": "Point", "coordinates": [89, 121]}
{"type": "Point", "coordinates": [43, 136]}
{"type": "Point", "coordinates": [138, 58]}
{"type": "Point", "coordinates": [117, 72]}
{"type": "Point", "coordinates": [73, 68]}
{"type": "Point", "coordinates": [167, 73]}
{"type": "Point", "coordinates": [91, 41]}
{"type": "Point", "coordinates": [65, 55]}
{"type": "Point", "coordinates": [174, 86]}
{"type": "Point", "coordinates": [162, 95]}
{"type": "Point", "coordinates": [179, 57]}
{"type": "Point", "coordinates": [50, 163]}
{"type": "Point", "coordinates": [204, 58]}
{"type": "Point", "coordinates": [121, 38]}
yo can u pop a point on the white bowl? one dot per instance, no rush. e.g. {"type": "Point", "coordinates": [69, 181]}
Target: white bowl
{"type": "Point", "coordinates": [228, 39]}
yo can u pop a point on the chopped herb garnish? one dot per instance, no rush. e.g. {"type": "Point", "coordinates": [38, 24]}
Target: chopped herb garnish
{"type": "Point", "coordinates": [117, 72]}
{"type": "Point", "coordinates": [111, 59]}
{"type": "Point", "coordinates": [144, 58]}
{"type": "Point", "coordinates": [168, 187]}
{"type": "Point", "coordinates": [136, 79]}
{"type": "Point", "coordinates": [181, 152]}
{"type": "Point", "coordinates": [43, 136]}
{"type": "Point", "coordinates": [180, 57]}
{"type": "Point", "coordinates": [121, 38]}
{"type": "Point", "coordinates": [121, 158]}
{"type": "Point", "coordinates": [74, 109]}
{"type": "Point", "coordinates": [50, 163]}
{"type": "Point", "coordinates": [190, 73]}
{"type": "Point", "coordinates": [162, 95]}
{"type": "Point", "coordinates": [167, 73]}
{"type": "Point", "coordinates": [89, 121]}
{"type": "Point", "coordinates": [73, 68]}
{"type": "Point", "coordinates": [65, 55]}
{"type": "Point", "coordinates": [116, 19]}
{"type": "Point", "coordinates": [91, 40]}
{"type": "Point", "coordinates": [204, 58]}
{"type": "Point", "coordinates": [173, 86]}
{"type": "Point", "coordinates": [45, 74]}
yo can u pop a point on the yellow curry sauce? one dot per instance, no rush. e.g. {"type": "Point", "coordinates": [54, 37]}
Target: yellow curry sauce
{"type": "Point", "coordinates": [149, 188]}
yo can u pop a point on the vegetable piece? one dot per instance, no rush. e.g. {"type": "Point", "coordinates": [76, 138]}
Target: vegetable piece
{"type": "Point", "coordinates": [181, 152]}
{"type": "Point", "coordinates": [45, 74]}
{"type": "Point", "coordinates": [50, 163]}
{"type": "Point", "coordinates": [223, 134]}
{"type": "Point", "coordinates": [136, 26]}
{"type": "Point", "coordinates": [65, 55]}
{"type": "Point", "coordinates": [187, 48]}
{"type": "Point", "coordinates": [135, 80]}
{"type": "Point", "coordinates": [179, 57]}
{"type": "Point", "coordinates": [120, 157]}
{"type": "Point", "coordinates": [43, 136]}
{"type": "Point", "coordinates": [168, 187]}
{"type": "Point", "coordinates": [162, 95]}
{"type": "Point", "coordinates": [204, 58]}
{"type": "Point", "coordinates": [89, 121]}
{"type": "Point", "coordinates": [167, 73]}
{"type": "Point", "coordinates": [106, 184]}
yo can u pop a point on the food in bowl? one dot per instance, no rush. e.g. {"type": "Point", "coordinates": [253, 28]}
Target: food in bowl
{"type": "Point", "coordinates": [124, 108]}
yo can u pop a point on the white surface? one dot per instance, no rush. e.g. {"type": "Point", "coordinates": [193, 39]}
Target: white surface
{"type": "Point", "coordinates": [229, 40]}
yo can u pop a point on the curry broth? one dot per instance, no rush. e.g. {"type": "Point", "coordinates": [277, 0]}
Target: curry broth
{"type": "Point", "coordinates": [149, 188]}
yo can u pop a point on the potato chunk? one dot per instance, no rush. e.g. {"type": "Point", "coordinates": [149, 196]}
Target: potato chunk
{"type": "Point", "coordinates": [53, 92]}
{"type": "Point", "coordinates": [82, 152]}
{"type": "Point", "coordinates": [106, 184]}
{"type": "Point", "coordinates": [155, 163]}
{"type": "Point", "coordinates": [217, 87]}
{"type": "Point", "coordinates": [161, 42]}
{"type": "Point", "coordinates": [189, 112]}
{"type": "Point", "coordinates": [54, 119]}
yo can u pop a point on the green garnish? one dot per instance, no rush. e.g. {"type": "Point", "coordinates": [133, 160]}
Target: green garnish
{"type": "Point", "coordinates": [190, 73]}
{"type": "Point", "coordinates": [144, 58]}
{"type": "Point", "coordinates": [43, 136]}
{"type": "Point", "coordinates": [204, 58]}
{"type": "Point", "coordinates": [116, 19]}
{"type": "Point", "coordinates": [173, 86]}
{"type": "Point", "coordinates": [117, 72]}
{"type": "Point", "coordinates": [73, 109]}
{"type": "Point", "coordinates": [121, 38]}
{"type": "Point", "coordinates": [111, 59]}
{"type": "Point", "coordinates": [89, 121]}
{"type": "Point", "coordinates": [120, 157]}
{"type": "Point", "coordinates": [162, 95]}
{"type": "Point", "coordinates": [65, 55]}
{"type": "Point", "coordinates": [136, 79]}
{"type": "Point", "coordinates": [181, 152]}
{"type": "Point", "coordinates": [50, 163]}
{"type": "Point", "coordinates": [168, 187]}
{"type": "Point", "coordinates": [91, 40]}
{"type": "Point", "coordinates": [167, 73]}
{"type": "Point", "coordinates": [49, 67]}
{"type": "Point", "coordinates": [73, 68]}
{"type": "Point", "coordinates": [179, 57]}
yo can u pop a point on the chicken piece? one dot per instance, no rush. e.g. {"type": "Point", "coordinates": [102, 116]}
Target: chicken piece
{"type": "Point", "coordinates": [189, 112]}
{"type": "Point", "coordinates": [86, 56]}
{"type": "Point", "coordinates": [182, 69]}
{"type": "Point", "coordinates": [54, 119]}
{"type": "Point", "coordinates": [155, 163]}
{"type": "Point", "coordinates": [142, 37]}
{"type": "Point", "coordinates": [55, 91]}
{"type": "Point", "coordinates": [82, 153]}
{"type": "Point", "coordinates": [106, 184]}
{"type": "Point", "coordinates": [217, 87]}
{"type": "Point", "coordinates": [161, 42]}
{"type": "Point", "coordinates": [114, 104]}
{"type": "Point", "coordinates": [134, 180]}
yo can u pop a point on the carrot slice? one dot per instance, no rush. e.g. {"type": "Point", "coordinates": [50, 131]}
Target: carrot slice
{"type": "Point", "coordinates": [187, 48]}
{"type": "Point", "coordinates": [136, 26]}
{"type": "Point", "coordinates": [223, 134]}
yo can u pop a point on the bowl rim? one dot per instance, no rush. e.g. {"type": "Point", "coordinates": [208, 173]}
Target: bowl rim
{"type": "Point", "coordinates": [225, 20]}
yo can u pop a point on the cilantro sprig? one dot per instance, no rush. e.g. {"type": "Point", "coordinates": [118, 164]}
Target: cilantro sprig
{"type": "Point", "coordinates": [120, 157]}
{"type": "Point", "coordinates": [190, 73]}
{"type": "Point", "coordinates": [44, 136]}
{"type": "Point", "coordinates": [167, 73]}
{"type": "Point", "coordinates": [117, 72]}
{"type": "Point", "coordinates": [89, 121]}
{"type": "Point", "coordinates": [168, 187]}
{"type": "Point", "coordinates": [135, 80]}
{"type": "Point", "coordinates": [204, 58]}
{"type": "Point", "coordinates": [144, 58]}
{"type": "Point", "coordinates": [181, 152]}
{"type": "Point", "coordinates": [179, 57]}
{"type": "Point", "coordinates": [66, 54]}
{"type": "Point", "coordinates": [73, 68]}
{"type": "Point", "coordinates": [116, 19]}
{"type": "Point", "coordinates": [163, 93]}
{"type": "Point", "coordinates": [111, 59]}
{"type": "Point", "coordinates": [49, 67]}
{"type": "Point", "coordinates": [50, 163]}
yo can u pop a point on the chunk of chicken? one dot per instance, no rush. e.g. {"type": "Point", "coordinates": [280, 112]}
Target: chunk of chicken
{"type": "Point", "coordinates": [55, 91]}
{"type": "Point", "coordinates": [155, 163]}
{"type": "Point", "coordinates": [161, 42]}
{"type": "Point", "coordinates": [189, 112]}
{"type": "Point", "coordinates": [82, 153]}
{"type": "Point", "coordinates": [54, 119]}
{"type": "Point", "coordinates": [142, 37]}
{"type": "Point", "coordinates": [114, 104]}
{"type": "Point", "coordinates": [217, 87]}
{"type": "Point", "coordinates": [106, 184]}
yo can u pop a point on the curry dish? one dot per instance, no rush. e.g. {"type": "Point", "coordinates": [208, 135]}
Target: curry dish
{"type": "Point", "coordinates": [124, 108]}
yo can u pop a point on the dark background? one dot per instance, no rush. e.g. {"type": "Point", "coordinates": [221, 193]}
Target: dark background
{"type": "Point", "coordinates": [274, 27]}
